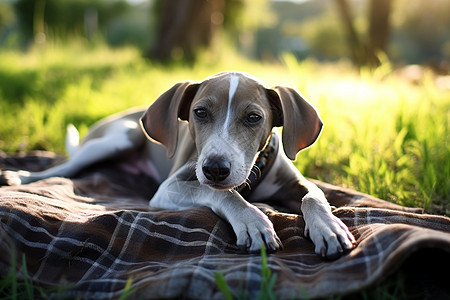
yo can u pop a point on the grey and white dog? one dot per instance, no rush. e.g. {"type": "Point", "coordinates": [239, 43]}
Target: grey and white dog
{"type": "Point", "coordinates": [211, 134]}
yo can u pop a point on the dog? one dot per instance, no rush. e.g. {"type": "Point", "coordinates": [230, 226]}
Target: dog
{"type": "Point", "coordinates": [210, 143]}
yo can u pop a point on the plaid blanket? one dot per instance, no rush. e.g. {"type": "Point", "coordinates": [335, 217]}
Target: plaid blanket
{"type": "Point", "coordinates": [96, 236]}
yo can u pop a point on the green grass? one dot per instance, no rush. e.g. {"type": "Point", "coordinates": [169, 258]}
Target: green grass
{"type": "Point", "coordinates": [20, 286]}
{"type": "Point", "coordinates": [267, 284]}
{"type": "Point", "coordinates": [16, 286]}
{"type": "Point", "coordinates": [383, 135]}
{"type": "Point", "coordinates": [392, 287]}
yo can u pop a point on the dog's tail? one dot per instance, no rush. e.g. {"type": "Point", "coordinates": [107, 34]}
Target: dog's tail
{"type": "Point", "coordinates": [72, 139]}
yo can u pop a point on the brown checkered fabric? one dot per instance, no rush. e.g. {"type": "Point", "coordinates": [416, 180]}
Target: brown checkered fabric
{"type": "Point", "coordinates": [94, 233]}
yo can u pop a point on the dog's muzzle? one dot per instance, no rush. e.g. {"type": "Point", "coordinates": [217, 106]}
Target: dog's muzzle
{"type": "Point", "coordinates": [216, 170]}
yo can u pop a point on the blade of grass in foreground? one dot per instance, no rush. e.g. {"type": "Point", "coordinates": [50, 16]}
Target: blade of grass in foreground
{"type": "Point", "coordinates": [267, 285]}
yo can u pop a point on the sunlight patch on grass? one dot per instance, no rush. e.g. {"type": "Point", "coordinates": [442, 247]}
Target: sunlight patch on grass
{"type": "Point", "coordinates": [383, 136]}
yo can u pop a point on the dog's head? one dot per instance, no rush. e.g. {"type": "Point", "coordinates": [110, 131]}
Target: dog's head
{"type": "Point", "coordinates": [231, 116]}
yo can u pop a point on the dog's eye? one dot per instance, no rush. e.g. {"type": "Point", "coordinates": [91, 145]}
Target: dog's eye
{"type": "Point", "coordinates": [200, 113]}
{"type": "Point", "coordinates": [253, 118]}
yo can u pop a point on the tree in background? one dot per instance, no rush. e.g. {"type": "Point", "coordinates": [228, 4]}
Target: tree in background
{"type": "Point", "coordinates": [367, 53]}
{"type": "Point", "coordinates": [355, 46]}
{"type": "Point", "coordinates": [183, 27]}
{"type": "Point", "coordinates": [379, 29]}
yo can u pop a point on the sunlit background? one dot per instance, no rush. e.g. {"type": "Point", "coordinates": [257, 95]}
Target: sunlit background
{"type": "Point", "coordinates": [378, 71]}
{"type": "Point", "coordinates": [407, 31]}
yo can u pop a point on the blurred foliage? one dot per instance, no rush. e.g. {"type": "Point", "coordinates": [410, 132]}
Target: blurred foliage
{"type": "Point", "coordinates": [68, 18]}
{"type": "Point", "coordinates": [247, 15]}
{"type": "Point", "coordinates": [421, 30]}
{"type": "Point", "coordinates": [261, 29]}
{"type": "Point", "coordinates": [6, 15]}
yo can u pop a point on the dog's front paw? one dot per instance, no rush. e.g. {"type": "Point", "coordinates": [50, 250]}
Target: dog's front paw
{"type": "Point", "coordinates": [330, 235]}
{"type": "Point", "coordinates": [11, 177]}
{"type": "Point", "coordinates": [254, 229]}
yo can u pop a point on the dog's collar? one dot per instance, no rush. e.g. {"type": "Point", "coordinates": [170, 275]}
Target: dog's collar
{"type": "Point", "coordinates": [262, 165]}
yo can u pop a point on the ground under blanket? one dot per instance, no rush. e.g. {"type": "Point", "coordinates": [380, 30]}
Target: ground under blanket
{"type": "Point", "coordinates": [95, 233]}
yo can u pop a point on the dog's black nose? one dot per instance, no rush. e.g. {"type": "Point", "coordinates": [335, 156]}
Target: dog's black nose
{"type": "Point", "coordinates": [216, 170]}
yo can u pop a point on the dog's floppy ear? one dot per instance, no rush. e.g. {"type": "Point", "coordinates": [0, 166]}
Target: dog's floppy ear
{"type": "Point", "coordinates": [300, 120]}
{"type": "Point", "coordinates": [160, 121]}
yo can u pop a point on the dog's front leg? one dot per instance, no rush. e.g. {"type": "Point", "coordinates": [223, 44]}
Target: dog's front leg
{"type": "Point", "coordinates": [251, 226]}
{"type": "Point", "coordinates": [329, 234]}
{"type": "Point", "coordinates": [287, 185]}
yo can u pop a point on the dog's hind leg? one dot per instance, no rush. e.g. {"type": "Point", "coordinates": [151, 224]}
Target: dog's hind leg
{"type": "Point", "coordinates": [118, 139]}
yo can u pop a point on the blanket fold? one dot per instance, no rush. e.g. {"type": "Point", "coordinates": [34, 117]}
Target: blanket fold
{"type": "Point", "coordinates": [94, 234]}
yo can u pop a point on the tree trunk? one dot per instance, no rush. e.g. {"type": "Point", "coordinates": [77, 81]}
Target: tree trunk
{"type": "Point", "coordinates": [366, 53]}
{"type": "Point", "coordinates": [357, 50]}
{"type": "Point", "coordinates": [184, 27]}
{"type": "Point", "coordinates": [378, 29]}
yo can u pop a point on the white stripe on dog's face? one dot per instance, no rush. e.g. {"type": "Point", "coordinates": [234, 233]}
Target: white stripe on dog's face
{"type": "Point", "coordinates": [225, 135]}
{"type": "Point", "coordinates": [234, 82]}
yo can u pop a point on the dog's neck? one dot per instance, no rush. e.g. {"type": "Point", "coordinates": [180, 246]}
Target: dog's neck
{"type": "Point", "coordinates": [262, 165]}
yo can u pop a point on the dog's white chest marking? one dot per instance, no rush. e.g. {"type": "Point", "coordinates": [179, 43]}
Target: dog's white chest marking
{"type": "Point", "coordinates": [234, 82]}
